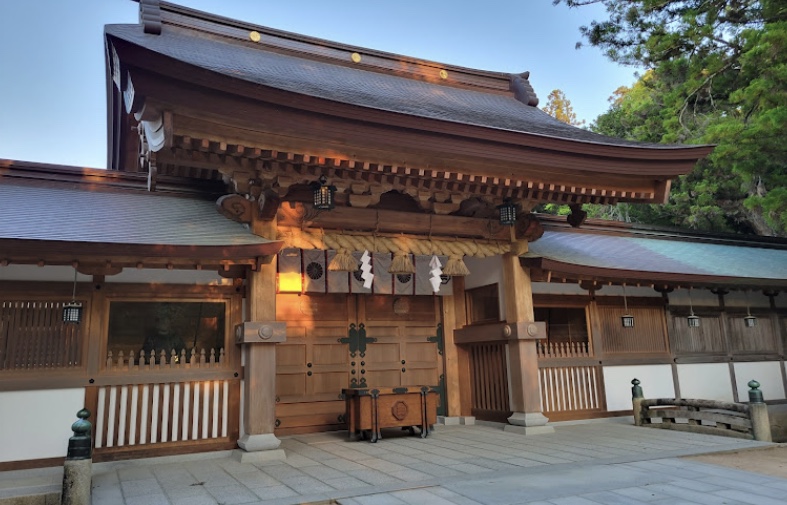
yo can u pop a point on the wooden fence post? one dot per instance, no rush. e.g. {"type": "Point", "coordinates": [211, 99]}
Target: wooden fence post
{"type": "Point", "coordinates": [636, 401]}
{"type": "Point", "coordinates": [758, 413]}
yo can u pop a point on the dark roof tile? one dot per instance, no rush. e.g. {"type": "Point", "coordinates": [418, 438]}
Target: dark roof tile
{"type": "Point", "coordinates": [661, 256]}
{"type": "Point", "coordinates": [376, 90]}
{"type": "Point", "coordinates": [76, 215]}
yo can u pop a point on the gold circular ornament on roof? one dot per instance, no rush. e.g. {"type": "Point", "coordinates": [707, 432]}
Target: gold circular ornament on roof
{"type": "Point", "coordinates": [443, 74]}
{"type": "Point", "coordinates": [355, 57]}
{"type": "Point", "coordinates": [254, 36]}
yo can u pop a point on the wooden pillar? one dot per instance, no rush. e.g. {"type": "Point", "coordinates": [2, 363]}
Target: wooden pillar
{"type": "Point", "coordinates": [523, 359]}
{"type": "Point", "coordinates": [259, 339]}
{"type": "Point", "coordinates": [457, 362]}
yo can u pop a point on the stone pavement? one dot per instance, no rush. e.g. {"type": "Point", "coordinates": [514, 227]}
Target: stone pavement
{"type": "Point", "coordinates": [594, 463]}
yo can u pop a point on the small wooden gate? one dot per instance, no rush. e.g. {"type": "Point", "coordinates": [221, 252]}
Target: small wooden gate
{"type": "Point", "coordinates": [157, 407]}
{"type": "Point", "coordinates": [489, 379]}
{"type": "Point", "coordinates": [571, 391]}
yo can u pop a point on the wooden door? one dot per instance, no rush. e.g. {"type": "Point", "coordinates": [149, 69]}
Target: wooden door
{"type": "Point", "coordinates": [335, 341]}
{"type": "Point", "coordinates": [404, 351]}
{"type": "Point", "coordinates": [313, 366]}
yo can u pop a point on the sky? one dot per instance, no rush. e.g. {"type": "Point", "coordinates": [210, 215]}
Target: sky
{"type": "Point", "coordinates": [52, 70]}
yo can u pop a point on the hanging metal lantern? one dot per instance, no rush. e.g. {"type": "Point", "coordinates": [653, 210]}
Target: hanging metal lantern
{"type": "Point", "coordinates": [626, 319]}
{"type": "Point", "coordinates": [507, 213]}
{"type": "Point", "coordinates": [323, 194]}
{"type": "Point", "coordinates": [72, 311]}
{"type": "Point", "coordinates": [692, 320]}
{"type": "Point", "coordinates": [749, 321]}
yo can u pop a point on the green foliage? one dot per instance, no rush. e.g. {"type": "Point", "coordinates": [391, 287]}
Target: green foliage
{"type": "Point", "coordinates": [717, 74]}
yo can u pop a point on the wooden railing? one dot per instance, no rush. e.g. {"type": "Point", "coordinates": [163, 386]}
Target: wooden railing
{"type": "Point", "coordinates": [570, 392]}
{"type": "Point", "coordinates": [702, 416]}
{"type": "Point", "coordinates": [562, 349]}
{"type": "Point", "coordinates": [33, 336]}
{"type": "Point", "coordinates": [143, 416]}
{"type": "Point", "coordinates": [705, 416]}
{"type": "Point", "coordinates": [165, 360]}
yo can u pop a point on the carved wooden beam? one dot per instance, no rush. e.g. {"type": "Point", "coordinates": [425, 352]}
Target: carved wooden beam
{"type": "Point", "coordinates": [387, 221]}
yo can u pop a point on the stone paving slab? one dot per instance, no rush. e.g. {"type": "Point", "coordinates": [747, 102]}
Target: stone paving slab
{"type": "Point", "coordinates": [464, 465]}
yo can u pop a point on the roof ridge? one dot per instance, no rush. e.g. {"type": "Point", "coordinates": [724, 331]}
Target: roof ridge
{"type": "Point", "coordinates": [154, 14]}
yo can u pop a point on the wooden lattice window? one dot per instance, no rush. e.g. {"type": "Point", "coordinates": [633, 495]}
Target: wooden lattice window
{"type": "Point", "coordinates": [34, 337]}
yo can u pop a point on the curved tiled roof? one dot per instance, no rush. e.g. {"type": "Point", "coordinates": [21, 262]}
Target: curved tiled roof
{"type": "Point", "coordinates": [68, 214]}
{"type": "Point", "coordinates": [659, 256]}
{"type": "Point", "coordinates": [355, 86]}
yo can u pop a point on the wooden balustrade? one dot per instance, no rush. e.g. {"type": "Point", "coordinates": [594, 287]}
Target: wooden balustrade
{"type": "Point", "coordinates": [162, 360]}
{"type": "Point", "coordinates": [571, 392]}
{"type": "Point", "coordinates": [562, 349]}
{"type": "Point", "coordinates": [144, 416]}
{"type": "Point", "coordinates": [699, 416]}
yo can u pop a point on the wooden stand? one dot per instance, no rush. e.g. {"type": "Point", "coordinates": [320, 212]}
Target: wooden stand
{"type": "Point", "coordinates": [370, 410]}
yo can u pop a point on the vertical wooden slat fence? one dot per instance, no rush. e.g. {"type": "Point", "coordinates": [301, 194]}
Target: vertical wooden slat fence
{"type": "Point", "coordinates": [489, 369]}
{"type": "Point", "coordinates": [571, 391]}
{"type": "Point", "coordinates": [33, 336]}
{"type": "Point", "coordinates": [154, 418]}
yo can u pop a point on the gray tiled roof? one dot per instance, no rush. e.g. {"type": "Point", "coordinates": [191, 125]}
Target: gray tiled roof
{"type": "Point", "coordinates": [359, 87]}
{"type": "Point", "coordinates": [78, 215]}
{"type": "Point", "coordinates": [654, 255]}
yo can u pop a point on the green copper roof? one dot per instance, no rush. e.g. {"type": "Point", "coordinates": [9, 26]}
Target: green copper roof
{"type": "Point", "coordinates": [676, 256]}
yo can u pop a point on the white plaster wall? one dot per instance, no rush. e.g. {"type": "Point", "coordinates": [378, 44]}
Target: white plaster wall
{"type": "Point", "coordinates": [486, 271]}
{"type": "Point", "coordinates": [639, 292]}
{"type": "Point", "coordinates": [128, 275]}
{"type": "Point", "coordinates": [558, 288]}
{"type": "Point", "coordinates": [705, 381]}
{"type": "Point", "coordinates": [699, 298]}
{"type": "Point", "coordinates": [35, 273]}
{"type": "Point", "coordinates": [37, 424]}
{"type": "Point", "coordinates": [483, 271]}
{"type": "Point", "coordinates": [164, 276]}
{"type": "Point", "coordinates": [767, 373]}
{"type": "Point", "coordinates": [743, 299]}
{"type": "Point", "coordinates": [656, 381]}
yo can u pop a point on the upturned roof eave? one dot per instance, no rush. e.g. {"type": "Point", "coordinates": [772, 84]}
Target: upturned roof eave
{"type": "Point", "coordinates": [668, 154]}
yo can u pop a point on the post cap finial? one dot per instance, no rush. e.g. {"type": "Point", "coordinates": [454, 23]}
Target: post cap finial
{"type": "Point", "coordinates": [82, 426]}
{"type": "Point", "coordinates": [754, 384]}
{"type": "Point", "coordinates": [635, 382]}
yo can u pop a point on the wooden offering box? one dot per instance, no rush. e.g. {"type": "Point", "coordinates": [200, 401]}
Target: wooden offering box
{"type": "Point", "coordinates": [371, 409]}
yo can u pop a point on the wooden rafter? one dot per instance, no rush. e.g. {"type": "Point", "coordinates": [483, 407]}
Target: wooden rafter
{"type": "Point", "coordinates": [301, 168]}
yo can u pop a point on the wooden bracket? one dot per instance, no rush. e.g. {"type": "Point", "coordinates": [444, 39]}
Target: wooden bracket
{"type": "Point", "coordinates": [235, 207]}
{"type": "Point", "coordinates": [261, 332]}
